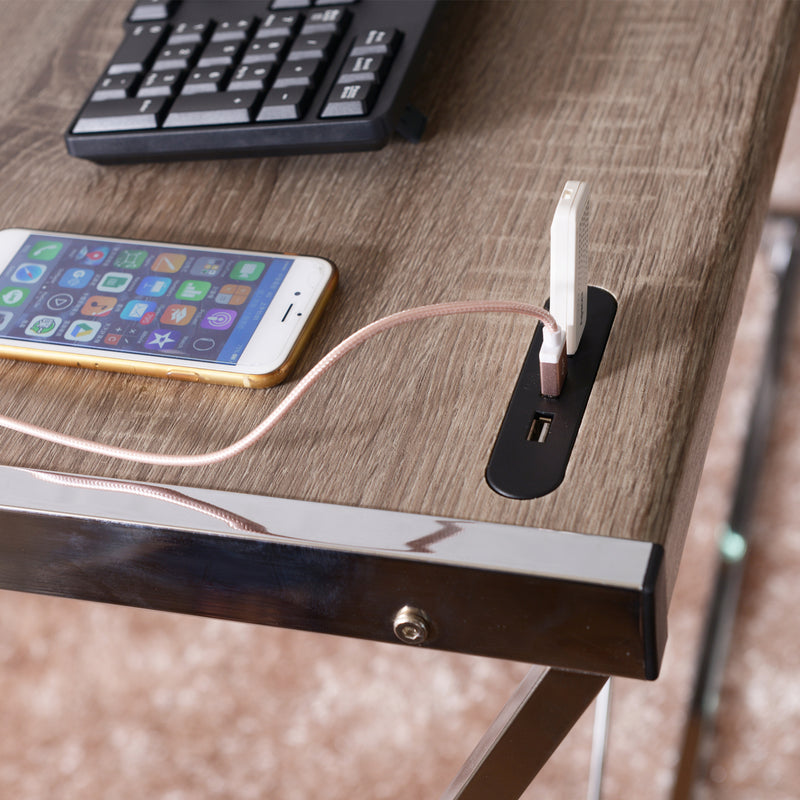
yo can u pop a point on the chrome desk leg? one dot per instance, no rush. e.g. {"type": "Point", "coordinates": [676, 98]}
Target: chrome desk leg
{"type": "Point", "coordinates": [540, 713]}
{"type": "Point", "coordinates": [782, 239]}
{"type": "Point", "coordinates": [597, 763]}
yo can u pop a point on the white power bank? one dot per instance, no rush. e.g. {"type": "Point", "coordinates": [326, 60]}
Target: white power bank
{"type": "Point", "coordinates": [569, 242]}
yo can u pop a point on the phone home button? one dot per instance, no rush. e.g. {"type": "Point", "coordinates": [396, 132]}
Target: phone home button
{"type": "Point", "coordinates": [183, 375]}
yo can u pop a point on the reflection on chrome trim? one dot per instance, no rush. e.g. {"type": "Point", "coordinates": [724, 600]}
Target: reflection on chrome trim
{"type": "Point", "coordinates": [555, 554]}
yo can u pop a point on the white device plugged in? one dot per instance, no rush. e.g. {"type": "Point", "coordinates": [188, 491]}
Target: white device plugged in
{"type": "Point", "coordinates": [569, 264]}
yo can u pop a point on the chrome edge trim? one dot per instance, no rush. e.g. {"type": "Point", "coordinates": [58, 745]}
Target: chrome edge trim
{"type": "Point", "coordinates": [593, 586]}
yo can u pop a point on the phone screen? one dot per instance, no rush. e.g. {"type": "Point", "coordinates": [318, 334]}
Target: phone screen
{"type": "Point", "coordinates": [142, 298]}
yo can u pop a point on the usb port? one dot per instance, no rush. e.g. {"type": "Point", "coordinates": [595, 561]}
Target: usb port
{"type": "Point", "coordinates": [540, 427]}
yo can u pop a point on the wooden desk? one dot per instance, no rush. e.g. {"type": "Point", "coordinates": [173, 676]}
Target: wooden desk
{"type": "Point", "coordinates": [674, 115]}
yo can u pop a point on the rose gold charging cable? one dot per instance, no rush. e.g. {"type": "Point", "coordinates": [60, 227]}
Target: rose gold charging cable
{"type": "Point", "coordinates": [553, 374]}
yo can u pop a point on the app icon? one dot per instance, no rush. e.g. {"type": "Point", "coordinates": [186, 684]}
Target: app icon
{"type": "Point", "coordinates": [45, 250]}
{"type": "Point", "coordinates": [76, 278]}
{"type": "Point", "coordinates": [82, 330]}
{"type": "Point", "coordinates": [92, 257]}
{"type": "Point", "coordinates": [207, 267]}
{"type": "Point", "coordinates": [233, 294]}
{"type": "Point", "coordinates": [130, 259]}
{"type": "Point", "coordinates": [112, 338]}
{"type": "Point", "coordinates": [218, 319]}
{"type": "Point", "coordinates": [98, 305]}
{"type": "Point", "coordinates": [114, 282]}
{"type": "Point", "coordinates": [168, 262]}
{"type": "Point", "coordinates": [5, 318]}
{"type": "Point", "coordinates": [43, 326]}
{"type": "Point", "coordinates": [161, 339]}
{"type": "Point", "coordinates": [153, 286]}
{"type": "Point", "coordinates": [28, 273]}
{"type": "Point", "coordinates": [193, 290]}
{"type": "Point", "coordinates": [137, 310]}
{"type": "Point", "coordinates": [60, 301]}
{"type": "Point", "coordinates": [248, 270]}
{"type": "Point", "coordinates": [11, 296]}
{"type": "Point", "coordinates": [178, 315]}
{"type": "Point", "coordinates": [203, 345]}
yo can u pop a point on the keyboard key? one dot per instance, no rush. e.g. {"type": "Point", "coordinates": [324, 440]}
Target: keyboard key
{"type": "Point", "coordinates": [160, 84]}
{"type": "Point", "coordinates": [152, 10]}
{"type": "Point", "coordinates": [284, 105]}
{"type": "Point", "coordinates": [220, 54]}
{"type": "Point", "coordinates": [299, 73]}
{"type": "Point", "coordinates": [190, 33]}
{"type": "Point", "coordinates": [329, 20]}
{"type": "Point", "coordinates": [376, 42]}
{"type": "Point", "coordinates": [221, 108]}
{"type": "Point", "coordinates": [350, 100]}
{"type": "Point", "coordinates": [249, 77]}
{"type": "Point", "coordinates": [278, 25]}
{"type": "Point", "coordinates": [317, 46]}
{"type": "Point", "coordinates": [115, 87]}
{"type": "Point", "coordinates": [233, 30]}
{"type": "Point", "coordinates": [279, 5]}
{"type": "Point", "coordinates": [364, 68]}
{"type": "Point", "coordinates": [205, 79]}
{"type": "Point", "coordinates": [136, 52]}
{"type": "Point", "coordinates": [265, 51]}
{"type": "Point", "coordinates": [177, 56]}
{"type": "Point", "coordinates": [121, 115]}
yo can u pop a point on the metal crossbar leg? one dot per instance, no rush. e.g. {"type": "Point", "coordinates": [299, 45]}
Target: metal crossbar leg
{"type": "Point", "coordinates": [540, 713]}
{"type": "Point", "coordinates": [783, 237]}
{"type": "Point", "coordinates": [602, 723]}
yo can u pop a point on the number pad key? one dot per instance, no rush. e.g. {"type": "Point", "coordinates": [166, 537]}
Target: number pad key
{"type": "Point", "coordinates": [285, 105]}
{"type": "Point", "coordinates": [364, 68]}
{"type": "Point", "coordinates": [350, 100]}
{"type": "Point", "coordinates": [278, 25]}
{"type": "Point", "coordinates": [177, 56]}
{"type": "Point", "coordinates": [251, 77]}
{"type": "Point", "coordinates": [266, 51]}
{"type": "Point", "coordinates": [329, 20]}
{"type": "Point", "coordinates": [299, 73]}
{"type": "Point", "coordinates": [205, 79]}
{"type": "Point", "coordinates": [220, 54]}
{"type": "Point", "coordinates": [220, 108]}
{"type": "Point", "coordinates": [190, 33]}
{"type": "Point", "coordinates": [160, 84]}
{"type": "Point", "coordinates": [136, 52]}
{"type": "Point", "coordinates": [316, 46]}
{"type": "Point", "coordinates": [233, 30]}
{"type": "Point", "coordinates": [115, 87]}
{"type": "Point", "coordinates": [377, 42]}
{"type": "Point", "coordinates": [121, 115]}
{"type": "Point", "coordinates": [150, 10]}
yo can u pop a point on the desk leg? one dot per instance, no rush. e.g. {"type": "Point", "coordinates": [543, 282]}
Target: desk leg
{"type": "Point", "coordinates": [540, 713]}
{"type": "Point", "coordinates": [782, 236]}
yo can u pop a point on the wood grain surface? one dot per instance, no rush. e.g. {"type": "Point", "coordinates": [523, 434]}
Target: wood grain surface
{"type": "Point", "coordinates": [673, 112]}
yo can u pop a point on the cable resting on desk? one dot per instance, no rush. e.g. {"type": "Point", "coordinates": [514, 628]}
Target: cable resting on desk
{"type": "Point", "coordinates": [554, 373]}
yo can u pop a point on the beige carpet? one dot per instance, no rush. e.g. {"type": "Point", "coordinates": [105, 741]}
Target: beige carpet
{"type": "Point", "coordinates": [106, 702]}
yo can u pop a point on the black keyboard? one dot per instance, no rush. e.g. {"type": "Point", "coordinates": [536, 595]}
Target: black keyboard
{"type": "Point", "coordinates": [223, 78]}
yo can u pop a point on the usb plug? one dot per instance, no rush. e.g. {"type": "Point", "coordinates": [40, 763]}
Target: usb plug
{"type": "Point", "coordinates": [552, 361]}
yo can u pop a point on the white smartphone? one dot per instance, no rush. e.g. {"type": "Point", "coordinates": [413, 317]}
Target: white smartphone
{"type": "Point", "coordinates": [194, 313]}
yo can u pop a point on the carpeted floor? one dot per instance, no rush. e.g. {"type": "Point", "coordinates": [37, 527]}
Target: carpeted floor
{"type": "Point", "coordinates": [102, 702]}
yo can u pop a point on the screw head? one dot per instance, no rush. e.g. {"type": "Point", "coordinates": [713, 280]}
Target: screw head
{"type": "Point", "coordinates": [411, 625]}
